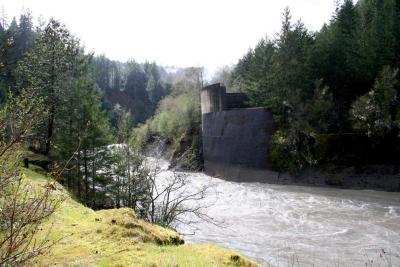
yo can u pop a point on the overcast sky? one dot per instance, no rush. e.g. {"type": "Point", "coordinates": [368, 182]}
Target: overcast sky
{"type": "Point", "coordinates": [208, 33]}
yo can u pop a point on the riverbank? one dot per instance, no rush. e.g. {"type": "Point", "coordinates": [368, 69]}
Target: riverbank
{"type": "Point", "coordinates": [374, 177]}
{"type": "Point", "coordinates": [116, 237]}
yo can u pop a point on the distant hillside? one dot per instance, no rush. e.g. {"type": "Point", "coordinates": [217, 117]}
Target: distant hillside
{"type": "Point", "coordinates": [137, 88]}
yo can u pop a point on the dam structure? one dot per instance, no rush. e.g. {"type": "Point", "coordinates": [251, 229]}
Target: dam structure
{"type": "Point", "coordinates": [236, 138]}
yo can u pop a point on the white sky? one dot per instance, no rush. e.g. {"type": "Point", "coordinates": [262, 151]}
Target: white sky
{"type": "Point", "coordinates": [209, 33]}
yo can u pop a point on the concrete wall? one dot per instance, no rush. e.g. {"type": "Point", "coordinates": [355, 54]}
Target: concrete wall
{"type": "Point", "coordinates": [235, 100]}
{"type": "Point", "coordinates": [213, 98]}
{"type": "Point", "coordinates": [236, 143]}
{"type": "Point", "coordinates": [236, 140]}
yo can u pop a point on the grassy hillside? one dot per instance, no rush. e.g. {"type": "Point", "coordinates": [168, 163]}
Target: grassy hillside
{"type": "Point", "coordinates": [117, 238]}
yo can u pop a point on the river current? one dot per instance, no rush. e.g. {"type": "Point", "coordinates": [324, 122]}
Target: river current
{"type": "Point", "coordinates": [281, 225]}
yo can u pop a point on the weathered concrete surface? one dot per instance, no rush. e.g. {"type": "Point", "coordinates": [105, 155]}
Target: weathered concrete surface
{"type": "Point", "coordinates": [235, 100]}
{"type": "Point", "coordinates": [236, 143]}
{"type": "Point", "coordinates": [236, 139]}
{"type": "Point", "coordinates": [213, 98]}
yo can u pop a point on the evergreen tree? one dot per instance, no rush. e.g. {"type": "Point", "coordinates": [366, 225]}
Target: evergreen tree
{"type": "Point", "coordinates": [397, 32]}
{"type": "Point", "coordinates": [135, 87]}
{"type": "Point", "coordinates": [276, 70]}
{"type": "Point", "coordinates": [25, 37]}
{"type": "Point", "coordinates": [253, 73]}
{"type": "Point", "coordinates": [82, 133]}
{"type": "Point", "coordinates": [344, 58]}
{"type": "Point", "coordinates": [335, 57]}
{"type": "Point", "coordinates": [10, 56]}
{"type": "Point", "coordinates": [49, 66]}
{"type": "Point", "coordinates": [376, 34]}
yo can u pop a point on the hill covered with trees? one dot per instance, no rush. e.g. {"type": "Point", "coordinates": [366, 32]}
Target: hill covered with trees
{"type": "Point", "coordinates": [334, 93]}
{"type": "Point", "coordinates": [64, 109]}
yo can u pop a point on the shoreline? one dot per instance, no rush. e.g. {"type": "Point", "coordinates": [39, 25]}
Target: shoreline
{"type": "Point", "coordinates": [373, 177]}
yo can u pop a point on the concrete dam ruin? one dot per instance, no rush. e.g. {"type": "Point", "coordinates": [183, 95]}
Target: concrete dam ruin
{"type": "Point", "coordinates": [236, 138]}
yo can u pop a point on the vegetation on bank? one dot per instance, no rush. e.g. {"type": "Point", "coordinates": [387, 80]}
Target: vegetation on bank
{"type": "Point", "coordinates": [177, 123]}
{"type": "Point", "coordinates": [43, 224]}
{"type": "Point", "coordinates": [53, 106]}
{"type": "Point", "coordinates": [116, 237]}
{"type": "Point", "coordinates": [334, 93]}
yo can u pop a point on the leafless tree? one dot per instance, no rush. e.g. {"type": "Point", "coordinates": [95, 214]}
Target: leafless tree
{"type": "Point", "coordinates": [22, 213]}
{"type": "Point", "coordinates": [171, 199]}
{"type": "Point", "coordinates": [159, 196]}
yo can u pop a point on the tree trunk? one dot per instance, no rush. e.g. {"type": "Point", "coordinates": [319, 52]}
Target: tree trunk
{"type": "Point", "coordinates": [52, 99]}
{"type": "Point", "coordinates": [50, 130]}
{"type": "Point", "coordinates": [93, 182]}
{"type": "Point", "coordinates": [129, 179]}
{"type": "Point", "coordinates": [86, 177]}
{"type": "Point", "coordinates": [79, 176]}
{"type": "Point", "coordinates": [118, 200]}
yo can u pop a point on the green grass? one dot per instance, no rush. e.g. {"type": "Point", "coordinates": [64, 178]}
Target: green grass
{"type": "Point", "coordinates": [117, 238]}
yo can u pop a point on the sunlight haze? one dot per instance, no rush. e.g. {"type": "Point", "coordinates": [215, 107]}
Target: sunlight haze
{"type": "Point", "coordinates": [180, 33]}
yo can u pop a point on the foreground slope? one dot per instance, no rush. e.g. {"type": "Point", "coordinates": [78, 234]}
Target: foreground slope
{"type": "Point", "coordinates": [117, 238]}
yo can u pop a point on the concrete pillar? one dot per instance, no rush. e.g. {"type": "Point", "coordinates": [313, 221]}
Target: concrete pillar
{"type": "Point", "coordinates": [213, 98]}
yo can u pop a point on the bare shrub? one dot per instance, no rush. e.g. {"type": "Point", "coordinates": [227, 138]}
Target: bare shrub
{"type": "Point", "coordinates": [171, 199]}
{"type": "Point", "coordinates": [23, 208]}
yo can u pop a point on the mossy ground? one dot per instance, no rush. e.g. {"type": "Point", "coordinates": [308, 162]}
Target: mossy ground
{"type": "Point", "coordinates": [117, 238]}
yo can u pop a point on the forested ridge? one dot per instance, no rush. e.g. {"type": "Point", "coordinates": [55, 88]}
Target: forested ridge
{"type": "Point", "coordinates": [64, 109]}
{"type": "Point", "coordinates": [334, 93]}
{"type": "Point", "coordinates": [88, 101]}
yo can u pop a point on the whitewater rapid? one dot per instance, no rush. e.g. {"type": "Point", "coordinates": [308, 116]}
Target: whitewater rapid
{"type": "Point", "coordinates": [279, 225]}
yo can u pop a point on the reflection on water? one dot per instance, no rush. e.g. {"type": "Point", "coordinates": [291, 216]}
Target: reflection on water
{"type": "Point", "coordinates": [300, 226]}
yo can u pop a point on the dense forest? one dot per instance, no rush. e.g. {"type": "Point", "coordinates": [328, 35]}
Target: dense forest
{"type": "Point", "coordinates": [334, 93]}
{"type": "Point", "coordinates": [86, 121]}
{"type": "Point", "coordinates": [89, 102]}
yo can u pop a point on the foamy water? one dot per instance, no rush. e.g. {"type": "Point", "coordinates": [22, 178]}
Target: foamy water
{"type": "Point", "coordinates": [299, 226]}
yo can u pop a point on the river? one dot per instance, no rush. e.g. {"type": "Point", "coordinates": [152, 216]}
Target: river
{"type": "Point", "coordinates": [281, 225]}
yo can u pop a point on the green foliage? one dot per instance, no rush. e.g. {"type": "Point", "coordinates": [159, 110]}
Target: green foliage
{"type": "Point", "coordinates": [346, 56]}
{"type": "Point", "coordinates": [120, 238]}
{"type": "Point", "coordinates": [175, 115]}
{"type": "Point", "coordinates": [333, 58]}
{"type": "Point", "coordinates": [376, 113]}
{"type": "Point", "coordinates": [140, 137]}
{"type": "Point", "coordinates": [50, 67]}
{"type": "Point", "coordinates": [15, 41]}
{"type": "Point", "coordinates": [298, 144]}
{"type": "Point", "coordinates": [76, 128]}
{"type": "Point", "coordinates": [83, 132]}
{"type": "Point", "coordinates": [252, 73]}
{"type": "Point", "coordinates": [137, 88]}
{"type": "Point", "coordinates": [177, 118]}
{"type": "Point", "coordinates": [277, 69]}
{"type": "Point", "coordinates": [22, 209]}
{"type": "Point", "coordinates": [179, 111]}
{"type": "Point", "coordinates": [376, 36]}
